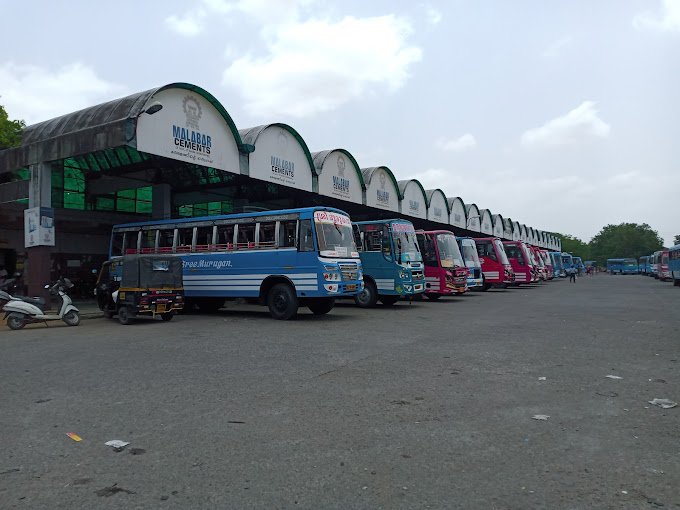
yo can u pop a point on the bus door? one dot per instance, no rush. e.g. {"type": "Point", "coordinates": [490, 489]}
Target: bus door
{"type": "Point", "coordinates": [518, 260]}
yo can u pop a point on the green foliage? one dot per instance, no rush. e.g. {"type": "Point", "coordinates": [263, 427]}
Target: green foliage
{"type": "Point", "coordinates": [10, 130]}
{"type": "Point", "coordinates": [575, 246]}
{"type": "Point", "coordinates": [625, 240]}
{"type": "Point", "coordinates": [676, 239]}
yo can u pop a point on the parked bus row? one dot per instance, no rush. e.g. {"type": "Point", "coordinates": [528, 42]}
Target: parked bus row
{"type": "Point", "coordinates": [312, 256]}
{"type": "Point", "coordinates": [663, 265]}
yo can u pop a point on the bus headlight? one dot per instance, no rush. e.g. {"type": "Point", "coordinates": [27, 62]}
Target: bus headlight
{"type": "Point", "coordinates": [403, 274]}
{"type": "Point", "coordinates": [331, 287]}
{"type": "Point", "coordinates": [332, 277]}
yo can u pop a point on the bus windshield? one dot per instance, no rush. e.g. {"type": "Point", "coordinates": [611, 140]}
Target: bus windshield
{"type": "Point", "coordinates": [405, 243]}
{"type": "Point", "coordinates": [503, 259]}
{"type": "Point", "coordinates": [513, 251]}
{"type": "Point", "coordinates": [334, 234]}
{"type": "Point", "coordinates": [449, 254]}
{"type": "Point", "coordinates": [470, 253]}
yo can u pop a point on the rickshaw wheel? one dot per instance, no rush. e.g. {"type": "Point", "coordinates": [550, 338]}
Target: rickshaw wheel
{"type": "Point", "coordinates": [124, 315]}
{"type": "Point", "coordinates": [167, 316]}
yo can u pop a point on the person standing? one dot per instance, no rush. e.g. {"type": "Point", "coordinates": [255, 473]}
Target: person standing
{"type": "Point", "coordinates": [572, 274]}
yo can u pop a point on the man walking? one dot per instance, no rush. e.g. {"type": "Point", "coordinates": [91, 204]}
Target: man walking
{"type": "Point", "coordinates": [572, 274]}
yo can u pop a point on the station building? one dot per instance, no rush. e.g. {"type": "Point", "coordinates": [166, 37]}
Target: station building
{"type": "Point", "coordinates": [174, 151]}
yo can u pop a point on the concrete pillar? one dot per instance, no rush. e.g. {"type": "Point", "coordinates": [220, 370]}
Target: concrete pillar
{"type": "Point", "coordinates": [37, 272]}
{"type": "Point", "coordinates": [161, 204]}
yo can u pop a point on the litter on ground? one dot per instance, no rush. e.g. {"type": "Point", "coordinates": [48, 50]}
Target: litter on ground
{"type": "Point", "coordinates": [542, 417]}
{"type": "Point", "coordinates": [663, 403]}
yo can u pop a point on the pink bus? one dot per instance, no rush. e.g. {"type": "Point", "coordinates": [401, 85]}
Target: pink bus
{"type": "Point", "coordinates": [521, 261]}
{"type": "Point", "coordinates": [496, 268]}
{"type": "Point", "coordinates": [539, 264]}
{"type": "Point", "coordinates": [445, 271]}
{"type": "Point", "coordinates": [545, 255]}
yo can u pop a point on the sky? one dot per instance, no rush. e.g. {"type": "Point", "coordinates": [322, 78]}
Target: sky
{"type": "Point", "coordinates": [561, 115]}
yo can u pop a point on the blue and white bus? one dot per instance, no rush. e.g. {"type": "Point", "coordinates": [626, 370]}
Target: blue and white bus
{"type": "Point", "coordinates": [468, 249]}
{"type": "Point", "coordinates": [643, 264]}
{"type": "Point", "coordinates": [558, 267]}
{"type": "Point", "coordinates": [391, 260]}
{"type": "Point", "coordinates": [674, 264]}
{"type": "Point", "coordinates": [283, 259]}
{"type": "Point", "coordinates": [615, 266]}
{"type": "Point", "coordinates": [567, 262]}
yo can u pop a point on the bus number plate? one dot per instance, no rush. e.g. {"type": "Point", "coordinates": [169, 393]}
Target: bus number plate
{"type": "Point", "coordinates": [160, 308]}
{"type": "Point", "coordinates": [351, 287]}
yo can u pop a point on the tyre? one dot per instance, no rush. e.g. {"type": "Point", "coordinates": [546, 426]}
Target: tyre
{"type": "Point", "coordinates": [368, 297]}
{"type": "Point", "coordinates": [282, 301]}
{"type": "Point", "coordinates": [321, 306]}
{"type": "Point", "coordinates": [167, 316]}
{"type": "Point", "coordinates": [72, 318]}
{"type": "Point", "coordinates": [433, 297]}
{"type": "Point", "coordinates": [16, 321]}
{"type": "Point", "coordinates": [124, 315]}
{"type": "Point", "coordinates": [107, 314]}
{"type": "Point", "coordinates": [210, 305]}
{"type": "Point", "coordinates": [485, 286]}
{"type": "Point", "coordinates": [389, 300]}
{"type": "Point", "coordinates": [676, 282]}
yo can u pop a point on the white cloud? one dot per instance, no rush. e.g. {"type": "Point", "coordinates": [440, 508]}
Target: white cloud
{"type": "Point", "coordinates": [317, 65]}
{"type": "Point", "coordinates": [189, 26]}
{"type": "Point", "coordinates": [263, 11]}
{"type": "Point", "coordinates": [465, 142]}
{"type": "Point", "coordinates": [667, 20]}
{"type": "Point", "coordinates": [556, 47]}
{"type": "Point", "coordinates": [579, 125]}
{"type": "Point", "coordinates": [35, 94]}
{"type": "Point", "coordinates": [433, 15]}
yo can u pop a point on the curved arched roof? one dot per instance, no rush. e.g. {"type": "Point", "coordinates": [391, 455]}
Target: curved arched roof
{"type": "Point", "coordinates": [250, 136]}
{"type": "Point", "coordinates": [319, 159]}
{"type": "Point", "coordinates": [430, 192]}
{"type": "Point", "coordinates": [402, 187]}
{"type": "Point", "coordinates": [368, 174]}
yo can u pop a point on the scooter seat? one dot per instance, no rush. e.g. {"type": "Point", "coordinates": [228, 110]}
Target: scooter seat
{"type": "Point", "coordinates": [37, 301]}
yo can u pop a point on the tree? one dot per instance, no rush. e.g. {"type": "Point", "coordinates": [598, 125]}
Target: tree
{"type": "Point", "coordinates": [575, 246]}
{"type": "Point", "coordinates": [627, 240]}
{"type": "Point", "coordinates": [10, 130]}
{"type": "Point", "coordinates": [676, 239]}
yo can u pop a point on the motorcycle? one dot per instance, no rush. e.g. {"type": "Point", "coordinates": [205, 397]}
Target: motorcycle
{"type": "Point", "coordinates": [20, 311]}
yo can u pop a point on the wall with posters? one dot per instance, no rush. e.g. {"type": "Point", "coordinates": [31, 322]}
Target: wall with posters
{"type": "Point", "coordinates": [38, 227]}
{"type": "Point", "coordinates": [414, 201]}
{"type": "Point", "coordinates": [382, 191]}
{"type": "Point", "coordinates": [281, 156]}
{"type": "Point", "coordinates": [438, 208]}
{"type": "Point", "coordinates": [339, 175]}
{"type": "Point", "coordinates": [188, 128]}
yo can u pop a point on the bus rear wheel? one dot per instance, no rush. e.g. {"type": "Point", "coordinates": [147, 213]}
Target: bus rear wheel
{"type": "Point", "coordinates": [321, 306]}
{"type": "Point", "coordinates": [368, 297]}
{"type": "Point", "coordinates": [282, 302]}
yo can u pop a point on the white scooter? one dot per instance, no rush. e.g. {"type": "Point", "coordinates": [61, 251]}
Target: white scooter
{"type": "Point", "coordinates": [20, 311]}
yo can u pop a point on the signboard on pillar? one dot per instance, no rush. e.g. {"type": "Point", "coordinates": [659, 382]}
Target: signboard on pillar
{"type": "Point", "coordinates": [38, 227]}
{"type": "Point", "coordinates": [279, 158]}
{"type": "Point", "coordinates": [339, 178]}
{"type": "Point", "coordinates": [187, 128]}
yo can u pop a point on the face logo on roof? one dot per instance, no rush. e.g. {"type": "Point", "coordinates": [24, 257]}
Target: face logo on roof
{"type": "Point", "coordinates": [341, 166]}
{"type": "Point", "coordinates": [193, 111]}
{"type": "Point", "coordinates": [383, 180]}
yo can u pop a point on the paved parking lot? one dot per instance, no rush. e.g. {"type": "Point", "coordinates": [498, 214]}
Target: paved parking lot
{"type": "Point", "coordinates": [427, 405]}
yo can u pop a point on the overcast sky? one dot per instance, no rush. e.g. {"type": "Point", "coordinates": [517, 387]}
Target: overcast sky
{"type": "Point", "coordinates": [562, 115]}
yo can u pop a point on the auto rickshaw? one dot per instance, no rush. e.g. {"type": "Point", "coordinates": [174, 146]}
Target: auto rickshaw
{"type": "Point", "coordinates": [140, 285]}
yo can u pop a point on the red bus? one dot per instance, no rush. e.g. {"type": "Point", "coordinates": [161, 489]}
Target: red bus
{"type": "Point", "coordinates": [445, 271]}
{"type": "Point", "coordinates": [664, 270]}
{"type": "Point", "coordinates": [496, 268]}
{"type": "Point", "coordinates": [520, 260]}
{"type": "Point", "coordinates": [547, 261]}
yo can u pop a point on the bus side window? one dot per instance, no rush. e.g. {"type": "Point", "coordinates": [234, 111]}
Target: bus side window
{"type": "Point", "coordinates": [117, 243]}
{"type": "Point", "coordinates": [373, 240]}
{"type": "Point", "coordinates": [287, 234]}
{"type": "Point", "coordinates": [225, 237]}
{"type": "Point", "coordinates": [246, 236]}
{"type": "Point", "coordinates": [428, 250]}
{"type": "Point", "coordinates": [185, 237]}
{"type": "Point", "coordinates": [166, 237]}
{"type": "Point", "coordinates": [130, 244]}
{"type": "Point", "coordinates": [266, 235]}
{"type": "Point", "coordinates": [148, 241]}
{"type": "Point", "coordinates": [358, 238]}
{"type": "Point", "coordinates": [306, 238]}
{"type": "Point", "coordinates": [204, 237]}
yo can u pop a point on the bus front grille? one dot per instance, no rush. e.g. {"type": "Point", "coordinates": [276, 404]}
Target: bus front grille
{"type": "Point", "coordinates": [349, 271]}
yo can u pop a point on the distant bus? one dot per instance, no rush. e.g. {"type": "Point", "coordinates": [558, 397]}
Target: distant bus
{"type": "Point", "coordinates": [579, 265]}
{"type": "Point", "coordinates": [468, 250]}
{"type": "Point", "coordinates": [281, 258]}
{"type": "Point", "coordinates": [558, 267]}
{"type": "Point", "coordinates": [664, 272]}
{"type": "Point", "coordinates": [567, 262]}
{"type": "Point", "coordinates": [655, 261]}
{"type": "Point", "coordinates": [391, 260]}
{"type": "Point", "coordinates": [674, 264]}
{"type": "Point", "coordinates": [445, 271]}
{"type": "Point", "coordinates": [643, 263]}
{"type": "Point", "coordinates": [615, 266]}
{"type": "Point", "coordinates": [496, 268]}
{"type": "Point", "coordinates": [520, 259]}
{"type": "Point", "coordinates": [630, 266]}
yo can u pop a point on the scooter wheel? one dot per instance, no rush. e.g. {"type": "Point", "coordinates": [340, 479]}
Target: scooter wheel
{"type": "Point", "coordinates": [15, 321]}
{"type": "Point", "coordinates": [72, 318]}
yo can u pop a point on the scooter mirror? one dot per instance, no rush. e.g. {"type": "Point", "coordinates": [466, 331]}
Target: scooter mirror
{"type": "Point", "coordinates": [46, 287]}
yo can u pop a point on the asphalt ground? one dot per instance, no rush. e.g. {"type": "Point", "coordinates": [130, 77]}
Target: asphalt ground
{"type": "Point", "coordinates": [427, 405]}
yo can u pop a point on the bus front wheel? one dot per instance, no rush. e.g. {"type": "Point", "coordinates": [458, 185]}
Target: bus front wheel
{"type": "Point", "coordinates": [282, 301]}
{"type": "Point", "coordinates": [321, 306]}
{"type": "Point", "coordinates": [368, 297]}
